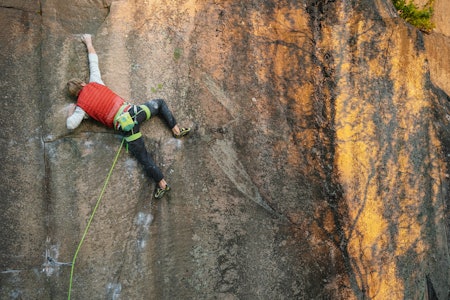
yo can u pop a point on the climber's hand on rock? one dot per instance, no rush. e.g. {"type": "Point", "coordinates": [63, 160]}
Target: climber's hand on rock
{"type": "Point", "coordinates": [86, 38]}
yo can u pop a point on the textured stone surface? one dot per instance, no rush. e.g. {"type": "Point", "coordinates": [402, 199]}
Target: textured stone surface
{"type": "Point", "coordinates": [442, 22]}
{"type": "Point", "coordinates": [317, 168]}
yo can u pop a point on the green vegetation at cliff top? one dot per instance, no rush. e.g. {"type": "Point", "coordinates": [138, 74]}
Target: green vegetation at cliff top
{"type": "Point", "coordinates": [420, 18]}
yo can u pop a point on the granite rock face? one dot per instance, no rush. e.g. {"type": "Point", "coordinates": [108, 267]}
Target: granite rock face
{"type": "Point", "coordinates": [317, 167]}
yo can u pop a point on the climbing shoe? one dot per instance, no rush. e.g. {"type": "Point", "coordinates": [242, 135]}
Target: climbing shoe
{"type": "Point", "coordinates": [183, 132]}
{"type": "Point", "coordinates": [161, 192]}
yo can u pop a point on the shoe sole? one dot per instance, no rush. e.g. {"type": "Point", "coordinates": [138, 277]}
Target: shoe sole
{"type": "Point", "coordinates": [183, 133]}
{"type": "Point", "coordinates": [162, 193]}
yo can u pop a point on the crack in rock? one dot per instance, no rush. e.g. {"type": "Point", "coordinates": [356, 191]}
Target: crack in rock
{"type": "Point", "coordinates": [226, 157]}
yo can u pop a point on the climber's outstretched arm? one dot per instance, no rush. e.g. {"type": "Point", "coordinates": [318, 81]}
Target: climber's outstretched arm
{"type": "Point", "coordinates": [94, 70]}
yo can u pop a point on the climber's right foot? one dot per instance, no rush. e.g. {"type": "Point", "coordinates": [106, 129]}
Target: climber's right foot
{"type": "Point", "coordinates": [183, 132]}
{"type": "Point", "coordinates": [160, 192]}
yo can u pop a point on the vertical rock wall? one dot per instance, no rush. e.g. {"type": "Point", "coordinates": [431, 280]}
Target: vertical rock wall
{"type": "Point", "coordinates": [316, 168]}
{"type": "Point", "coordinates": [387, 139]}
{"type": "Point", "coordinates": [22, 205]}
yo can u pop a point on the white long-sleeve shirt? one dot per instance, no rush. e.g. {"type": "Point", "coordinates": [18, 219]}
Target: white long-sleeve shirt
{"type": "Point", "coordinates": [79, 114]}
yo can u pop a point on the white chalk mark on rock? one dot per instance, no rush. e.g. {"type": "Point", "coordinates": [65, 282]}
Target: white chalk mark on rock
{"type": "Point", "coordinates": [143, 221]}
{"type": "Point", "coordinates": [114, 290]}
{"type": "Point", "coordinates": [51, 263]}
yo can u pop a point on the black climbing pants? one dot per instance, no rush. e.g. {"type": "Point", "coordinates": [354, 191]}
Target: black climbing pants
{"type": "Point", "coordinates": [137, 147]}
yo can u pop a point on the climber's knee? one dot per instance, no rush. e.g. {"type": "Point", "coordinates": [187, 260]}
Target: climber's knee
{"type": "Point", "coordinates": [147, 111]}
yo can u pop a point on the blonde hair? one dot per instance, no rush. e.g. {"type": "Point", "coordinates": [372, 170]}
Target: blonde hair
{"type": "Point", "coordinates": [75, 85]}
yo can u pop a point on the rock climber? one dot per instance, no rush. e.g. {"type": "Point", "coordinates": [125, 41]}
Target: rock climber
{"type": "Point", "coordinates": [97, 101]}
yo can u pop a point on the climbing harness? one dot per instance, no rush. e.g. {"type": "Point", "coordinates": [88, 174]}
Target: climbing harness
{"type": "Point", "coordinates": [133, 137]}
{"type": "Point", "coordinates": [92, 217]}
{"type": "Point", "coordinates": [123, 119]}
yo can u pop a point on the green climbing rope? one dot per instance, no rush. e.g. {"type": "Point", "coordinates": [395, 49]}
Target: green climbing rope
{"type": "Point", "coordinates": [92, 217]}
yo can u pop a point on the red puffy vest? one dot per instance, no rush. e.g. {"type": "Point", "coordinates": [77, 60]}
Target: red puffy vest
{"type": "Point", "coordinates": [99, 102]}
